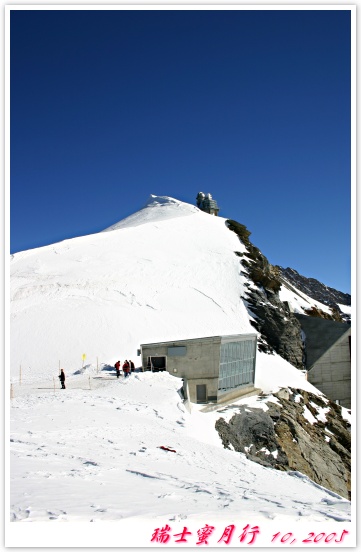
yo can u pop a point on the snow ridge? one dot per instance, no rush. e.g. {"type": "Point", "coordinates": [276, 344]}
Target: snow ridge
{"type": "Point", "coordinates": [156, 209]}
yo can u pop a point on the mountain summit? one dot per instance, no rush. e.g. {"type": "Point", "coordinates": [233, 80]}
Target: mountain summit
{"type": "Point", "coordinates": [156, 209]}
{"type": "Point", "coordinates": [168, 272]}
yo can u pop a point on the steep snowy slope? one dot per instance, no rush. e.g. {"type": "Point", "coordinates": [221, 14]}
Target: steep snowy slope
{"type": "Point", "coordinates": [167, 272]}
{"type": "Point", "coordinates": [299, 301]}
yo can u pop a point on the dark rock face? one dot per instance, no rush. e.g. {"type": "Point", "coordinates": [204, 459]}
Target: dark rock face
{"type": "Point", "coordinates": [279, 328]}
{"type": "Point", "coordinates": [301, 432]}
{"type": "Point", "coordinates": [252, 431]}
{"type": "Point", "coordinates": [318, 291]}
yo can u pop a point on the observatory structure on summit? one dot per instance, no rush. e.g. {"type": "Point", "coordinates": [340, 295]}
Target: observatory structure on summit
{"type": "Point", "coordinates": [206, 203]}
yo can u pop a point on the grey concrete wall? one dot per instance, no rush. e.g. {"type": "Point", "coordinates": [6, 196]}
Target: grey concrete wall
{"type": "Point", "coordinates": [211, 385]}
{"type": "Point", "coordinates": [331, 374]}
{"type": "Point", "coordinates": [201, 359]}
{"type": "Point", "coordinates": [320, 334]}
{"type": "Point", "coordinates": [199, 366]}
{"type": "Point", "coordinates": [235, 393]}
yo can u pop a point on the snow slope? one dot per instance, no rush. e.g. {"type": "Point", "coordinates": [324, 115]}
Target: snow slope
{"type": "Point", "coordinates": [167, 272]}
{"type": "Point", "coordinates": [299, 301]}
{"type": "Point", "coordinates": [91, 452]}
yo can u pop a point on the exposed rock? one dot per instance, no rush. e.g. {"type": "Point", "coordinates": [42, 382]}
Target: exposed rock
{"type": "Point", "coordinates": [319, 313]}
{"type": "Point", "coordinates": [301, 432]}
{"type": "Point", "coordinates": [280, 330]}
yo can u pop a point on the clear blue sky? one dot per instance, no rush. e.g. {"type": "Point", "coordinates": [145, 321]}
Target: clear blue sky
{"type": "Point", "coordinates": [108, 107]}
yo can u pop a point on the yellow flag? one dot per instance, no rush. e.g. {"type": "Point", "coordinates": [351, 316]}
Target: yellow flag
{"type": "Point", "coordinates": [83, 356]}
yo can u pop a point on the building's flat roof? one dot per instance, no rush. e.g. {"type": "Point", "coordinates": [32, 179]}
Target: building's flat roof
{"type": "Point", "coordinates": [207, 338]}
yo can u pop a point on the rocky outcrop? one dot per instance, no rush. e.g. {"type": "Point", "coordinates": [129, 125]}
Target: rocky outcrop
{"type": "Point", "coordinates": [300, 431]}
{"type": "Point", "coordinates": [279, 329]}
{"type": "Point", "coordinates": [318, 291]}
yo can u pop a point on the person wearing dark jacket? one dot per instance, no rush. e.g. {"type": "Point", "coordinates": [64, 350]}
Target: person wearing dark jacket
{"type": "Point", "coordinates": [62, 378]}
{"type": "Point", "coordinates": [117, 368]}
{"type": "Point", "coordinates": [132, 367]}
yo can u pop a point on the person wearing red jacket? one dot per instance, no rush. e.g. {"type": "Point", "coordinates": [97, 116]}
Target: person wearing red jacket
{"type": "Point", "coordinates": [126, 368]}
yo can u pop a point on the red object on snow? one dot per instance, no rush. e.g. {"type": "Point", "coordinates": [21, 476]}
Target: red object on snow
{"type": "Point", "coordinates": [166, 448]}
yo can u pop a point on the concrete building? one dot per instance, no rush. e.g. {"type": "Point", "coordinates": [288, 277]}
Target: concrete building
{"type": "Point", "coordinates": [328, 357]}
{"type": "Point", "coordinates": [213, 369]}
{"type": "Point", "coordinates": [206, 203]}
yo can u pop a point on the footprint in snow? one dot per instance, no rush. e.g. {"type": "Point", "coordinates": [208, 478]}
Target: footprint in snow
{"type": "Point", "coordinates": [268, 513]}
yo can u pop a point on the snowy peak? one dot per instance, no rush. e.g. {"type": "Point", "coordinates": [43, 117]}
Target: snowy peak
{"type": "Point", "coordinates": [170, 272]}
{"type": "Point", "coordinates": [329, 300]}
{"type": "Point", "coordinates": [315, 289]}
{"type": "Point", "coordinates": [156, 209]}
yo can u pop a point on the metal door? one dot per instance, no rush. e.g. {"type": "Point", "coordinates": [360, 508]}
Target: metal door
{"type": "Point", "coordinates": [201, 391]}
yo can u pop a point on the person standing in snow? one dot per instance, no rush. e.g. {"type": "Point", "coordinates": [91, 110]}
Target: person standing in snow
{"type": "Point", "coordinates": [62, 378]}
{"type": "Point", "coordinates": [117, 368]}
{"type": "Point", "coordinates": [126, 368]}
{"type": "Point", "coordinates": [132, 367]}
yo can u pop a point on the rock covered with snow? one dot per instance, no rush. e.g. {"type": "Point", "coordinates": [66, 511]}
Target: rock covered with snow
{"type": "Point", "coordinates": [337, 301]}
{"type": "Point", "coordinates": [279, 330]}
{"type": "Point", "coordinates": [297, 431]}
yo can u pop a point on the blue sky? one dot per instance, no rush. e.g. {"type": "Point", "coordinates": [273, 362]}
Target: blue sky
{"type": "Point", "coordinates": [108, 107]}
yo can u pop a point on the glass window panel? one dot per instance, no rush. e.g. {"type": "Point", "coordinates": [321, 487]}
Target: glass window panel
{"type": "Point", "coordinates": [236, 364]}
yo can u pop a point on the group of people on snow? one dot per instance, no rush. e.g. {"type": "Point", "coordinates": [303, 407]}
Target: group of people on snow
{"type": "Point", "coordinates": [127, 368]}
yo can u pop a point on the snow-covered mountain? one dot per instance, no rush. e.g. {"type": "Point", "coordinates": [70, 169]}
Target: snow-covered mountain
{"type": "Point", "coordinates": [314, 289]}
{"type": "Point", "coordinates": [167, 272]}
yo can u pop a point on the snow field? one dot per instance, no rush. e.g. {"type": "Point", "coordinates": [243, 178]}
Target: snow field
{"type": "Point", "coordinates": [94, 455]}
